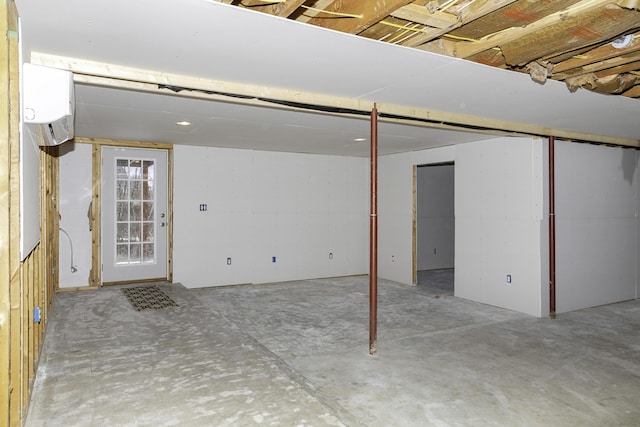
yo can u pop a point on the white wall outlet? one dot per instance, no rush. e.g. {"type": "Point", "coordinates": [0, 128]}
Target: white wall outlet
{"type": "Point", "coordinates": [229, 261]}
{"type": "Point", "coordinates": [508, 280]}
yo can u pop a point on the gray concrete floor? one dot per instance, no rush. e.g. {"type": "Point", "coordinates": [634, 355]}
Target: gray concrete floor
{"type": "Point", "coordinates": [296, 354]}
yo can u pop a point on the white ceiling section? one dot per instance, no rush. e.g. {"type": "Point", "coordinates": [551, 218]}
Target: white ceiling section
{"type": "Point", "coordinates": [152, 117]}
{"type": "Point", "coordinates": [207, 39]}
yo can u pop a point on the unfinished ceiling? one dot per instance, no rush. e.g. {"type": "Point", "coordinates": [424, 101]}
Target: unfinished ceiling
{"type": "Point", "coordinates": [141, 67]}
{"type": "Point", "coordinates": [593, 44]}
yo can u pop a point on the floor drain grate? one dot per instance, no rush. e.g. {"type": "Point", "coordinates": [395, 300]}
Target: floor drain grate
{"type": "Point", "coordinates": [148, 298]}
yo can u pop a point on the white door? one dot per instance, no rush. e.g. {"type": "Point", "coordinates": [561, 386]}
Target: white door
{"type": "Point", "coordinates": [134, 214]}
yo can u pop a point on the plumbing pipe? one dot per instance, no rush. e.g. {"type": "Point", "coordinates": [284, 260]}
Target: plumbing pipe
{"type": "Point", "coordinates": [73, 267]}
{"type": "Point", "coordinates": [373, 237]}
{"type": "Point", "coordinates": [552, 230]}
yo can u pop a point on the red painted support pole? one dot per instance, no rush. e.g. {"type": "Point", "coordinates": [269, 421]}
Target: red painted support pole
{"type": "Point", "coordinates": [373, 237]}
{"type": "Point", "coordinates": [552, 229]}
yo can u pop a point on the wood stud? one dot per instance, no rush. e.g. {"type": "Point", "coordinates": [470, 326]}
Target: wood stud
{"type": "Point", "coordinates": [26, 282]}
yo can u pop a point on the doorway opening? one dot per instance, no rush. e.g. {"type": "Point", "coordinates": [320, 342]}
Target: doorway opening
{"type": "Point", "coordinates": [434, 227]}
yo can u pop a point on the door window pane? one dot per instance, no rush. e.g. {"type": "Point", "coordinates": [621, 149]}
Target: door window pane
{"type": "Point", "coordinates": [148, 252]}
{"type": "Point", "coordinates": [134, 253]}
{"type": "Point", "coordinates": [147, 232]}
{"type": "Point", "coordinates": [135, 211]}
{"type": "Point", "coordinates": [136, 190]}
{"type": "Point", "coordinates": [147, 190]}
{"type": "Point", "coordinates": [147, 211]}
{"type": "Point", "coordinates": [122, 211]}
{"type": "Point", "coordinates": [122, 168]}
{"type": "Point", "coordinates": [122, 254]}
{"type": "Point", "coordinates": [122, 192]}
{"type": "Point", "coordinates": [122, 234]}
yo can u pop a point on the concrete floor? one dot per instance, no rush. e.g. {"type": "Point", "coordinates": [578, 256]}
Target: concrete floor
{"type": "Point", "coordinates": [296, 354]}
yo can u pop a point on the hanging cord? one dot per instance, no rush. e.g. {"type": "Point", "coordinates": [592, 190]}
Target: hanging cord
{"type": "Point", "coordinates": [73, 267]}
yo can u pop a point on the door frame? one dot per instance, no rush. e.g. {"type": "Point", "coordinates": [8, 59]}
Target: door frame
{"type": "Point", "coordinates": [95, 208]}
{"type": "Point", "coordinates": [414, 213]}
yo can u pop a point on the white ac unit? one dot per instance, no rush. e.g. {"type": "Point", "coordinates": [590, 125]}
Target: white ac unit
{"type": "Point", "coordinates": [48, 103]}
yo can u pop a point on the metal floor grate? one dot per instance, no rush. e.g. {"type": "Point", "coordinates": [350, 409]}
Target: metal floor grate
{"type": "Point", "coordinates": [148, 298]}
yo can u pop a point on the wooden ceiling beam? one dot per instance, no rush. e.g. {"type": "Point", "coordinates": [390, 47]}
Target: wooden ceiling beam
{"type": "Point", "coordinates": [634, 92]}
{"type": "Point", "coordinates": [421, 15]}
{"type": "Point", "coordinates": [619, 69]}
{"type": "Point", "coordinates": [311, 13]}
{"type": "Point", "coordinates": [283, 9]}
{"type": "Point", "coordinates": [615, 65]}
{"type": "Point", "coordinates": [599, 54]}
{"type": "Point", "coordinates": [392, 30]}
{"type": "Point", "coordinates": [338, 15]}
{"type": "Point", "coordinates": [475, 10]}
{"type": "Point", "coordinates": [589, 29]}
{"type": "Point", "coordinates": [549, 26]}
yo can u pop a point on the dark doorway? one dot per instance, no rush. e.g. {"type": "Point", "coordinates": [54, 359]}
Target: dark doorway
{"type": "Point", "coordinates": [435, 226]}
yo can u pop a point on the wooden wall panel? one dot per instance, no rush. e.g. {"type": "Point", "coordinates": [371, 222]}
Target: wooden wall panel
{"type": "Point", "coordinates": [5, 255]}
{"type": "Point", "coordinates": [16, 320]}
{"type": "Point", "coordinates": [25, 285]}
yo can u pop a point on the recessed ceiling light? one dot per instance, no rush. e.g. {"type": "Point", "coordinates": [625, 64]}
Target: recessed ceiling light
{"type": "Point", "coordinates": [183, 123]}
{"type": "Point", "coordinates": [622, 41]}
{"type": "Point", "coordinates": [359, 139]}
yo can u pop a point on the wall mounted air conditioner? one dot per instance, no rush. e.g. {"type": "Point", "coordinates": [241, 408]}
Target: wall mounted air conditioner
{"type": "Point", "coordinates": [48, 103]}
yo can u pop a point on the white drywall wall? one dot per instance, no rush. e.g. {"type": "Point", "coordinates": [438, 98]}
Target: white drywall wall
{"type": "Point", "coordinates": [29, 192]}
{"type": "Point", "coordinates": [435, 219]}
{"type": "Point", "coordinates": [296, 207]}
{"type": "Point", "coordinates": [29, 171]}
{"type": "Point", "coordinates": [395, 209]}
{"type": "Point", "coordinates": [75, 196]}
{"type": "Point", "coordinates": [597, 192]}
{"type": "Point", "coordinates": [500, 227]}
{"type": "Point", "coordinates": [499, 208]}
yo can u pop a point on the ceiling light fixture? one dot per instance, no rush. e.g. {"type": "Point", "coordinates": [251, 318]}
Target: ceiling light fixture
{"type": "Point", "coordinates": [622, 41]}
{"type": "Point", "coordinates": [183, 123]}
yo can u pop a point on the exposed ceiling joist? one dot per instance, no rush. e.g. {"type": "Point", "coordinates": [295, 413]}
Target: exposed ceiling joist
{"type": "Point", "coordinates": [577, 64]}
{"type": "Point", "coordinates": [508, 34]}
{"type": "Point", "coordinates": [473, 11]}
{"type": "Point", "coordinates": [421, 15]}
{"type": "Point", "coordinates": [278, 8]}
{"type": "Point", "coordinates": [355, 17]}
{"type": "Point", "coordinates": [522, 43]}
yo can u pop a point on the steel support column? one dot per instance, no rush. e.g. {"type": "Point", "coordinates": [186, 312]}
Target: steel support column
{"type": "Point", "coordinates": [373, 237]}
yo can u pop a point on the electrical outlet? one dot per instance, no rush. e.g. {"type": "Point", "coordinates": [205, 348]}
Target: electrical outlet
{"type": "Point", "coordinates": [330, 255]}
{"type": "Point", "coordinates": [508, 279]}
{"type": "Point", "coordinates": [229, 261]}
{"type": "Point", "coordinates": [273, 259]}
{"type": "Point", "coordinates": [203, 207]}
